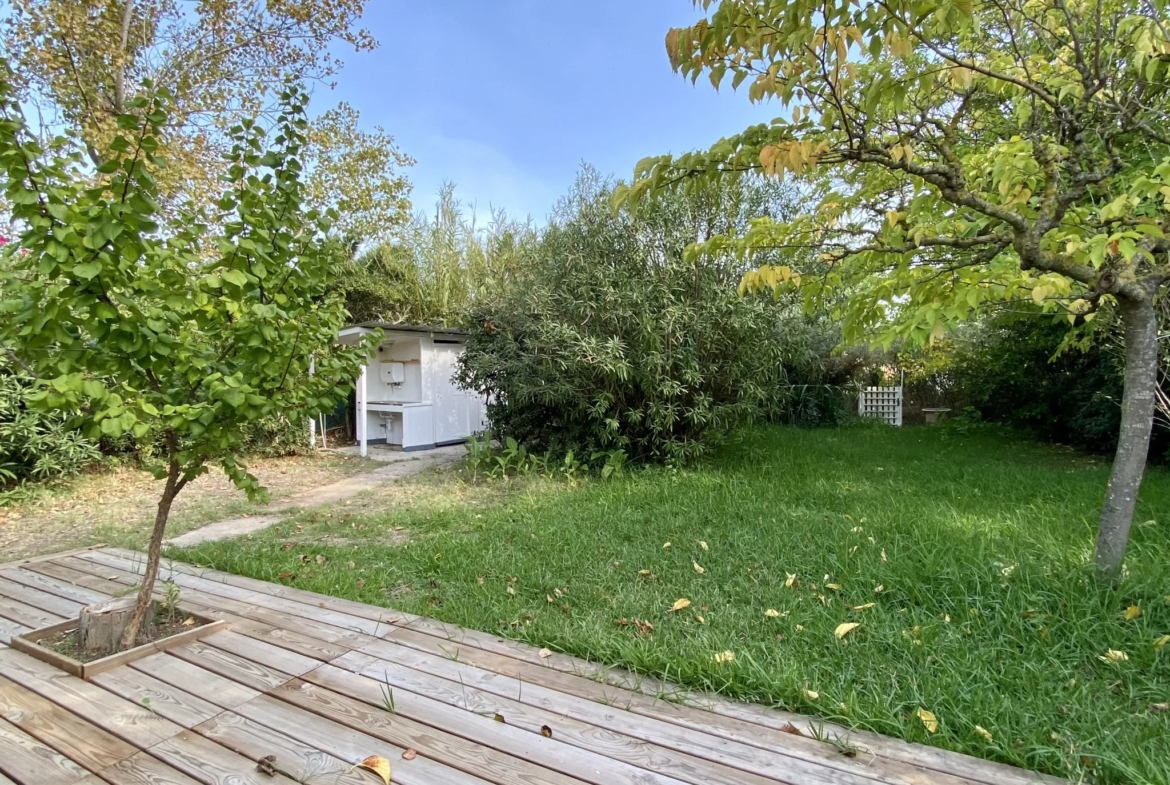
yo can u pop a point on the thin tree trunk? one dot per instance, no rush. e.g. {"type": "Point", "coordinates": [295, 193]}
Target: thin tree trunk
{"type": "Point", "coordinates": [1133, 443]}
{"type": "Point", "coordinates": [153, 555]}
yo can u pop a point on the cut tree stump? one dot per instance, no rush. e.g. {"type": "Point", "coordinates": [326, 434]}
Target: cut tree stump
{"type": "Point", "coordinates": [102, 625]}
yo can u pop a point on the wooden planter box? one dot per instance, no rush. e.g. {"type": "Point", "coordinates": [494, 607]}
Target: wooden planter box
{"type": "Point", "coordinates": [28, 643]}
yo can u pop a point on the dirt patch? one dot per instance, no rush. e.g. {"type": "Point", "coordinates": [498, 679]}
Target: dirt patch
{"type": "Point", "coordinates": [117, 505]}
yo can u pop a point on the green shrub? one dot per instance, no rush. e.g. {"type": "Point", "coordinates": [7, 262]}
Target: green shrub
{"type": "Point", "coordinates": [35, 445]}
{"type": "Point", "coordinates": [1009, 370]}
{"type": "Point", "coordinates": [611, 340]}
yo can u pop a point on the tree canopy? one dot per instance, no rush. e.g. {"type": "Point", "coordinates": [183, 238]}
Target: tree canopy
{"type": "Point", "coordinates": [81, 64]}
{"type": "Point", "coordinates": [960, 153]}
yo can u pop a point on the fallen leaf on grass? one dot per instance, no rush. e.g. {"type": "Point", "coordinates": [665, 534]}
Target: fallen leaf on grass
{"type": "Point", "coordinates": [772, 613]}
{"type": "Point", "coordinates": [1160, 642]}
{"type": "Point", "coordinates": [320, 559]}
{"type": "Point", "coordinates": [928, 720]}
{"type": "Point", "coordinates": [984, 732]}
{"type": "Point", "coordinates": [846, 628]}
{"type": "Point", "coordinates": [791, 582]}
{"type": "Point", "coordinates": [1114, 656]}
{"type": "Point", "coordinates": [812, 694]}
{"type": "Point", "coordinates": [378, 765]}
{"type": "Point", "coordinates": [702, 545]}
{"type": "Point", "coordinates": [864, 607]}
{"type": "Point", "coordinates": [410, 753]}
{"type": "Point", "coordinates": [1132, 612]}
{"type": "Point", "coordinates": [679, 604]}
{"type": "Point", "coordinates": [284, 576]}
{"type": "Point", "coordinates": [833, 586]}
{"type": "Point", "coordinates": [1157, 707]}
{"type": "Point", "coordinates": [698, 569]}
{"type": "Point", "coordinates": [725, 657]}
{"type": "Point", "coordinates": [666, 545]}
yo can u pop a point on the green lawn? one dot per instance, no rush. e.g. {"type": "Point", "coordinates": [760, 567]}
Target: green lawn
{"type": "Point", "coordinates": [974, 550]}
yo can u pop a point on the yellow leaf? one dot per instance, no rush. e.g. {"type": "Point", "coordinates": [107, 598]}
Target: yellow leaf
{"type": "Point", "coordinates": [846, 628]}
{"type": "Point", "coordinates": [865, 607]}
{"type": "Point", "coordinates": [698, 569]}
{"type": "Point", "coordinates": [725, 657]}
{"type": "Point", "coordinates": [544, 654]}
{"type": "Point", "coordinates": [812, 694]}
{"type": "Point", "coordinates": [883, 555]}
{"type": "Point", "coordinates": [791, 582]}
{"type": "Point", "coordinates": [928, 719]}
{"type": "Point", "coordinates": [378, 765]}
{"type": "Point", "coordinates": [679, 604]}
{"type": "Point", "coordinates": [1115, 656]}
{"type": "Point", "coordinates": [984, 732]}
{"type": "Point", "coordinates": [892, 217]}
{"type": "Point", "coordinates": [772, 613]}
{"type": "Point", "coordinates": [702, 545]}
{"type": "Point", "coordinates": [1160, 642]}
{"type": "Point", "coordinates": [879, 589]}
{"type": "Point", "coordinates": [833, 586]}
{"type": "Point", "coordinates": [666, 545]}
{"type": "Point", "coordinates": [1132, 612]}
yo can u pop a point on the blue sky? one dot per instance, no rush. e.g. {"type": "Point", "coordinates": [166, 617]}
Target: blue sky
{"type": "Point", "coordinates": [506, 98]}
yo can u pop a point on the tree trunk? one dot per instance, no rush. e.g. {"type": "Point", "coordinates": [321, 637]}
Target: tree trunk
{"type": "Point", "coordinates": [145, 600]}
{"type": "Point", "coordinates": [1133, 443]}
{"type": "Point", "coordinates": [102, 626]}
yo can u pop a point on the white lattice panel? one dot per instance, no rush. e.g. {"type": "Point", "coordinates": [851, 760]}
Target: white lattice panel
{"type": "Point", "coordinates": [885, 403]}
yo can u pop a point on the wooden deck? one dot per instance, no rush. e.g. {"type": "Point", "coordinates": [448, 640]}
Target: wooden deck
{"type": "Point", "coordinates": [305, 677]}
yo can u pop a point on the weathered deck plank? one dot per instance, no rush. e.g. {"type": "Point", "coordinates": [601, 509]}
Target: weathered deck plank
{"type": "Point", "coordinates": [306, 677]}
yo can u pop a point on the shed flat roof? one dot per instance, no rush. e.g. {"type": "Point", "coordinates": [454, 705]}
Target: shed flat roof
{"type": "Point", "coordinates": [410, 328]}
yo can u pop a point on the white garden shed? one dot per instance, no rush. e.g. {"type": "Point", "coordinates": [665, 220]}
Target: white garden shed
{"type": "Point", "coordinates": [405, 393]}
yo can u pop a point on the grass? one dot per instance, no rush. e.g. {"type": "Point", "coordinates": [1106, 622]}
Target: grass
{"type": "Point", "coordinates": [974, 550]}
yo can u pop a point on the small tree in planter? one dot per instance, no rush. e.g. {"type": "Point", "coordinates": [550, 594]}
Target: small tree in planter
{"type": "Point", "coordinates": [194, 330]}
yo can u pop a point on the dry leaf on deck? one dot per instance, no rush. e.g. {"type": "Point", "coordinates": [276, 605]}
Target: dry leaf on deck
{"type": "Point", "coordinates": [928, 719]}
{"type": "Point", "coordinates": [846, 628]}
{"type": "Point", "coordinates": [378, 765]}
{"type": "Point", "coordinates": [499, 718]}
{"type": "Point", "coordinates": [545, 653]}
{"type": "Point", "coordinates": [679, 604]}
{"type": "Point", "coordinates": [546, 731]}
{"type": "Point", "coordinates": [410, 753]}
{"type": "Point", "coordinates": [788, 727]}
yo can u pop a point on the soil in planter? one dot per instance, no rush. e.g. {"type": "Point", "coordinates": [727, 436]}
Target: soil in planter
{"type": "Point", "coordinates": [165, 625]}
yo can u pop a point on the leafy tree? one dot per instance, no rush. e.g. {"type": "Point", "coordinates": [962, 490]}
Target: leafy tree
{"type": "Point", "coordinates": [197, 329]}
{"type": "Point", "coordinates": [964, 152]}
{"type": "Point", "coordinates": [81, 62]}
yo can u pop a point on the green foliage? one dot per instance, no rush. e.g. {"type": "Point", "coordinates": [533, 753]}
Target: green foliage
{"type": "Point", "coordinates": [435, 269]}
{"type": "Point", "coordinates": [511, 457]}
{"type": "Point", "coordinates": [35, 445]}
{"type": "Point", "coordinates": [1011, 369]}
{"type": "Point", "coordinates": [608, 339]}
{"type": "Point", "coordinates": [194, 330]}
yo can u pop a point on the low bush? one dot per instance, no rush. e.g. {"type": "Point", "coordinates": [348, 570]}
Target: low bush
{"type": "Point", "coordinates": [35, 445]}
